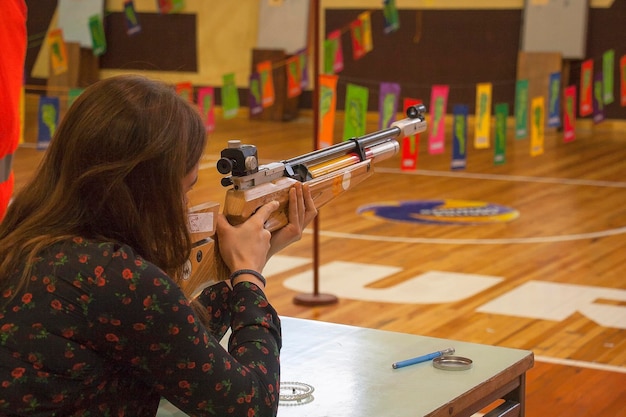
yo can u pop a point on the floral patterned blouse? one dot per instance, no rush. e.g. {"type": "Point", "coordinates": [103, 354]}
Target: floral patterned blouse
{"type": "Point", "coordinates": [99, 331]}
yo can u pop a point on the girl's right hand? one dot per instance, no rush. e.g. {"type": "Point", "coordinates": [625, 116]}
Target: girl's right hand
{"type": "Point", "coordinates": [246, 245]}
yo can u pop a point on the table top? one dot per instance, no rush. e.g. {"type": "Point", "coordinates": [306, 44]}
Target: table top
{"type": "Point", "coordinates": [350, 370]}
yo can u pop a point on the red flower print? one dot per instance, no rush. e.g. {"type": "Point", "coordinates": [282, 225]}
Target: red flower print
{"type": "Point", "coordinates": [58, 398]}
{"type": "Point", "coordinates": [26, 298]}
{"type": "Point", "coordinates": [7, 293]}
{"type": "Point", "coordinates": [98, 270]}
{"type": "Point", "coordinates": [110, 337]}
{"type": "Point", "coordinates": [174, 330]}
{"type": "Point", "coordinates": [127, 274]}
{"type": "Point", "coordinates": [56, 304]}
{"type": "Point", "coordinates": [6, 327]}
{"type": "Point", "coordinates": [69, 354]}
{"type": "Point", "coordinates": [219, 386]}
{"type": "Point", "coordinates": [206, 367]}
{"type": "Point", "coordinates": [116, 322]}
{"type": "Point", "coordinates": [139, 326]}
{"type": "Point", "coordinates": [100, 281]}
{"type": "Point", "coordinates": [51, 288]}
{"type": "Point", "coordinates": [83, 259]}
{"type": "Point", "coordinates": [79, 366]}
{"type": "Point", "coordinates": [5, 384]}
{"type": "Point", "coordinates": [251, 412]}
{"type": "Point", "coordinates": [147, 302]}
{"type": "Point", "coordinates": [18, 372]}
{"type": "Point", "coordinates": [190, 319]}
{"type": "Point", "coordinates": [156, 282]}
{"type": "Point", "coordinates": [183, 384]}
{"type": "Point", "coordinates": [126, 300]}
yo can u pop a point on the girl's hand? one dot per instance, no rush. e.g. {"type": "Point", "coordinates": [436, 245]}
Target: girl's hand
{"type": "Point", "coordinates": [301, 212]}
{"type": "Point", "coordinates": [246, 246]}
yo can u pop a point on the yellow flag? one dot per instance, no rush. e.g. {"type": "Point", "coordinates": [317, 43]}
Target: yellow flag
{"type": "Point", "coordinates": [482, 125]}
{"type": "Point", "coordinates": [537, 117]}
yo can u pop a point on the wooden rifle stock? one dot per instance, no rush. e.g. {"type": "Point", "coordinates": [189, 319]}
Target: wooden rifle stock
{"type": "Point", "coordinates": [329, 172]}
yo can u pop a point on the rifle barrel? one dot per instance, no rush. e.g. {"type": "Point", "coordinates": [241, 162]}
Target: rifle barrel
{"type": "Point", "coordinates": [343, 148]}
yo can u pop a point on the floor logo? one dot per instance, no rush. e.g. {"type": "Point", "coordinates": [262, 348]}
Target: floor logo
{"type": "Point", "coordinates": [459, 212]}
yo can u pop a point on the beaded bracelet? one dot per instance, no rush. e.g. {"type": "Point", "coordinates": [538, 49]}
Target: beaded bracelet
{"type": "Point", "coordinates": [247, 271]}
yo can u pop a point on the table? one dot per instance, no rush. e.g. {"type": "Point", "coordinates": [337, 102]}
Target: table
{"type": "Point", "coordinates": [350, 369]}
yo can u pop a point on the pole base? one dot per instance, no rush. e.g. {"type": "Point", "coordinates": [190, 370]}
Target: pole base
{"type": "Point", "coordinates": [315, 299]}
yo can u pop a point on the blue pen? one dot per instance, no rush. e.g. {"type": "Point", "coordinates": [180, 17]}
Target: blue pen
{"type": "Point", "coordinates": [423, 358]}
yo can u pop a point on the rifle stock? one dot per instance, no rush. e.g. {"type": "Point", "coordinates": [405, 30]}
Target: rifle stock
{"type": "Point", "coordinates": [328, 172]}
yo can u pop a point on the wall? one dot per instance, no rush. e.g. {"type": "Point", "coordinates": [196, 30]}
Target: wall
{"type": "Point", "coordinates": [456, 42]}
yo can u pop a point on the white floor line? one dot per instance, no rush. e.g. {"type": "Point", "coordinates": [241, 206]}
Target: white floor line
{"type": "Point", "coordinates": [581, 364]}
{"type": "Point", "coordinates": [503, 241]}
{"type": "Point", "coordinates": [500, 177]}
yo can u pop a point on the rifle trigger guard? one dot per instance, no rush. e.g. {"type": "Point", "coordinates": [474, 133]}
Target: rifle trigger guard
{"type": "Point", "coordinates": [360, 151]}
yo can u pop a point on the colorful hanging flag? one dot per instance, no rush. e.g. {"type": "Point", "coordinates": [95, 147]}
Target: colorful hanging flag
{"type": "Point", "coordinates": [48, 120]}
{"type": "Point", "coordinates": [622, 72]}
{"type": "Point", "coordinates": [569, 114]}
{"type": "Point", "coordinates": [521, 109]}
{"type": "Point", "coordinates": [72, 95]}
{"type": "Point", "coordinates": [554, 100]}
{"type": "Point", "coordinates": [230, 96]}
{"type": "Point", "coordinates": [170, 6]}
{"type": "Point", "coordinates": [390, 14]}
{"type": "Point", "coordinates": [98, 39]}
{"type": "Point", "coordinates": [608, 64]}
{"type": "Point", "coordinates": [438, 107]}
{"type": "Point", "coordinates": [586, 87]}
{"type": "Point", "coordinates": [185, 90]}
{"type": "Point", "coordinates": [598, 103]}
{"type": "Point", "coordinates": [58, 53]}
{"type": "Point", "coordinates": [388, 97]}
{"type": "Point", "coordinates": [409, 146]}
{"type": "Point", "coordinates": [255, 96]}
{"type": "Point", "coordinates": [294, 75]}
{"type": "Point", "coordinates": [130, 16]}
{"type": "Point", "coordinates": [268, 96]}
{"type": "Point", "coordinates": [537, 117]}
{"type": "Point", "coordinates": [328, 105]}
{"type": "Point", "coordinates": [482, 128]}
{"type": "Point", "coordinates": [366, 30]}
{"type": "Point", "coordinates": [459, 136]}
{"type": "Point", "coordinates": [502, 114]}
{"type": "Point", "coordinates": [206, 105]}
{"type": "Point", "coordinates": [355, 114]}
{"type": "Point", "coordinates": [333, 53]}
{"type": "Point", "coordinates": [304, 68]}
{"type": "Point", "coordinates": [356, 34]}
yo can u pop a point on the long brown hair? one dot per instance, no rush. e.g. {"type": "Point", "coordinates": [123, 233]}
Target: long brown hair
{"type": "Point", "coordinates": [113, 171]}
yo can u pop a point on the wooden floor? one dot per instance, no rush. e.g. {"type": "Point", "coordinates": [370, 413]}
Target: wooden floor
{"type": "Point", "coordinates": [570, 239]}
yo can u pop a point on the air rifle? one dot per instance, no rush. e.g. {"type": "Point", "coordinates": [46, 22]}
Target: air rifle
{"type": "Point", "coordinates": [328, 171]}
